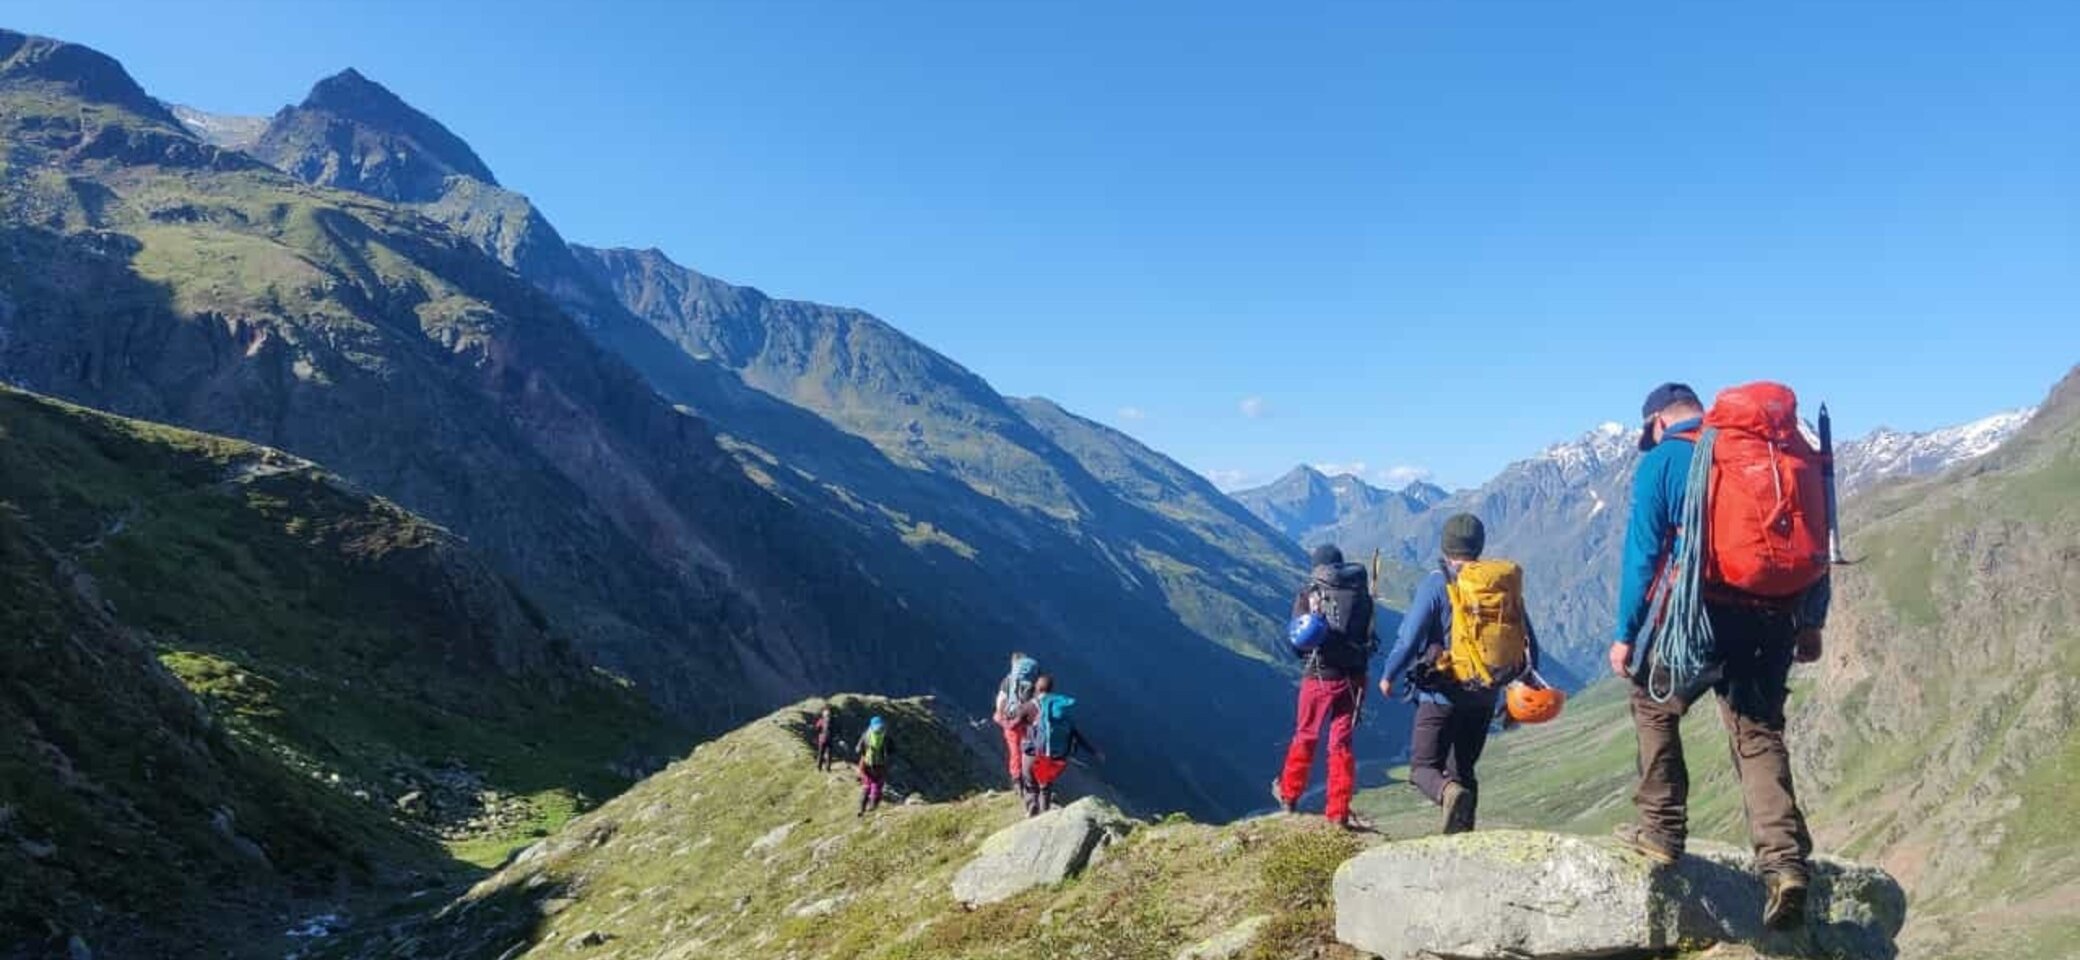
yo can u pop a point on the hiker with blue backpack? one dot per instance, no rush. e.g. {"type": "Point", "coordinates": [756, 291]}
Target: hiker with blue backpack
{"type": "Point", "coordinates": [1014, 697]}
{"type": "Point", "coordinates": [873, 765]}
{"type": "Point", "coordinates": [1331, 632]}
{"type": "Point", "coordinates": [1052, 738]}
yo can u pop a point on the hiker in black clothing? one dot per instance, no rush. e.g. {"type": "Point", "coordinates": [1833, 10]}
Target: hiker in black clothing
{"type": "Point", "coordinates": [823, 738]}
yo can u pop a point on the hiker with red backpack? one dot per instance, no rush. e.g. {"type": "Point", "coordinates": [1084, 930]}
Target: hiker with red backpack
{"type": "Point", "coordinates": [1052, 738]}
{"type": "Point", "coordinates": [1331, 632]}
{"type": "Point", "coordinates": [1465, 639]}
{"type": "Point", "coordinates": [1012, 714]}
{"type": "Point", "coordinates": [1725, 585]}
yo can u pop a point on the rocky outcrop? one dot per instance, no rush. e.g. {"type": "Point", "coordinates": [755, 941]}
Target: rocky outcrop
{"type": "Point", "coordinates": [1509, 894]}
{"type": "Point", "coordinates": [1040, 852]}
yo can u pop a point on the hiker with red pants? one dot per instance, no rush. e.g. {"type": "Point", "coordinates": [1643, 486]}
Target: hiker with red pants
{"type": "Point", "coordinates": [1332, 633]}
{"type": "Point", "coordinates": [1052, 738]}
{"type": "Point", "coordinates": [873, 765]}
{"type": "Point", "coordinates": [1727, 612]}
{"type": "Point", "coordinates": [1013, 714]}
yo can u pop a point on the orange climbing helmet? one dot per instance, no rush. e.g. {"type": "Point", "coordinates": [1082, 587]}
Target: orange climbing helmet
{"type": "Point", "coordinates": [1533, 704]}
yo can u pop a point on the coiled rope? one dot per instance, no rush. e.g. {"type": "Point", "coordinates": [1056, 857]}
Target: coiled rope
{"type": "Point", "coordinates": [1680, 637]}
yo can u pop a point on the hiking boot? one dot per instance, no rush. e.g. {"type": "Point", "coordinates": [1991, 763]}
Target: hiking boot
{"type": "Point", "coordinates": [1784, 901]}
{"type": "Point", "coordinates": [1634, 836]}
{"type": "Point", "coordinates": [1356, 824]}
{"type": "Point", "coordinates": [1278, 793]}
{"type": "Point", "coordinates": [1458, 807]}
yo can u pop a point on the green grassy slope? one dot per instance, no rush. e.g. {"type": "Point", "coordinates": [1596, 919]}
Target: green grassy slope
{"type": "Point", "coordinates": [345, 654]}
{"type": "Point", "coordinates": [745, 850]}
{"type": "Point", "coordinates": [1938, 735]}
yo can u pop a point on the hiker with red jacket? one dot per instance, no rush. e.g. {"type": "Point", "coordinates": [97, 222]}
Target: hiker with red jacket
{"type": "Point", "coordinates": [1729, 612]}
{"type": "Point", "coordinates": [1332, 633]}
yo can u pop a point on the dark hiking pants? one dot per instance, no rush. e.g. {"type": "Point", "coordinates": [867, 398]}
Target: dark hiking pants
{"type": "Point", "coordinates": [1751, 683]}
{"type": "Point", "coordinates": [1447, 742]}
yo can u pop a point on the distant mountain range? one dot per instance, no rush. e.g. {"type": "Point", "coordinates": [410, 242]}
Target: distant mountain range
{"type": "Point", "coordinates": [1562, 514]}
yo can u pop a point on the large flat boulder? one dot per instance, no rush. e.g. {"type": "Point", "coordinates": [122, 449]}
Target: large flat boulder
{"type": "Point", "coordinates": [1042, 851]}
{"type": "Point", "coordinates": [1518, 894]}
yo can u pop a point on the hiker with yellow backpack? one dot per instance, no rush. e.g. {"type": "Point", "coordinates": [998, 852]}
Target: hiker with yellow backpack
{"type": "Point", "coordinates": [1465, 648]}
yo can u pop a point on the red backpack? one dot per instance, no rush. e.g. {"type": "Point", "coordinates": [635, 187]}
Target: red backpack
{"type": "Point", "coordinates": [1767, 505]}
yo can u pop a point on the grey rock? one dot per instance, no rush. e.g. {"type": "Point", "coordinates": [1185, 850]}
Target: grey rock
{"type": "Point", "coordinates": [1228, 944]}
{"type": "Point", "coordinates": [821, 908]}
{"type": "Point", "coordinates": [587, 940]}
{"type": "Point", "coordinates": [1511, 894]}
{"type": "Point", "coordinates": [1042, 851]}
{"type": "Point", "coordinates": [771, 841]}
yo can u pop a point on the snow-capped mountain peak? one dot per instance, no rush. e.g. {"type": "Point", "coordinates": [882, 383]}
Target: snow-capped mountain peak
{"type": "Point", "coordinates": [1588, 454]}
{"type": "Point", "coordinates": [1885, 452]}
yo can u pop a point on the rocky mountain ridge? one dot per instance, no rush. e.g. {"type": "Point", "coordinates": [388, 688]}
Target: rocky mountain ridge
{"type": "Point", "coordinates": [728, 547]}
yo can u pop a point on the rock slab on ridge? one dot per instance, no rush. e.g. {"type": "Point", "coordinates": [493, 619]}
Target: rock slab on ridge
{"type": "Point", "coordinates": [1042, 851]}
{"type": "Point", "coordinates": [1514, 894]}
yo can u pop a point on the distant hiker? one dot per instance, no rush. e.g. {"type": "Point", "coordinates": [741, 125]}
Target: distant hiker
{"type": "Point", "coordinates": [1052, 737]}
{"type": "Point", "coordinates": [1728, 612]}
{"type": "Point", "coordinates": [1014, 697]}
{"type": "Point", "coordinates": [1465, 638]}
{"type": "Point", "coordinates": [1331, 632]}
{"type": "Point", "coordinates": [873, 765]}
{"type": "Point", "coordinates": [823, 738]}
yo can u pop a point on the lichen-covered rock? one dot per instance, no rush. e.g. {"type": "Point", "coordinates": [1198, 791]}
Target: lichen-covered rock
{"type": "Point", "coordinates": [1229, 943]}
{"type": "Point", "coordinates": [1523, 894]}
{"type": "Point", "coordinates": [1042, 851]}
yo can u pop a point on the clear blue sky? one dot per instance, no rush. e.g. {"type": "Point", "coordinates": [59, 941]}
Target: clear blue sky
{"type": "Point", "coordinates": [1428, 235]}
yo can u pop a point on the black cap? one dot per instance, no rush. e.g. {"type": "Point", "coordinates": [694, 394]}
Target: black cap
{"type": "Point", "coordinates": [1659, 399]}
{"type": "Point", "coordinates": [1464, 537]}
{"type": "Point", "coordinates": [1326, 555]}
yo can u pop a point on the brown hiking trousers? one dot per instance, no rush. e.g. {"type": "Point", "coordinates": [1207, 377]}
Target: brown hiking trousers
{"type": "Point", "coordinates": [1750, 680]}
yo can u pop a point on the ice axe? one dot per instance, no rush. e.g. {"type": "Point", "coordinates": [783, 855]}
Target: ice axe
{"type": "Point", "coordinates": [1834, 515]}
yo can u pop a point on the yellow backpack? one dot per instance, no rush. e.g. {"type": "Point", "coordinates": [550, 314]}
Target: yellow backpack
{"type": "Point", "coordinates": [1488, 636]}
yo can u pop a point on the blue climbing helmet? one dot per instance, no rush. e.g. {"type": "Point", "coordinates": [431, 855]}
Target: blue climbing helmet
{"type": "Point", "coordinates": [1306, 632]}
{"type": "Point", "coordinates": [874, 724]}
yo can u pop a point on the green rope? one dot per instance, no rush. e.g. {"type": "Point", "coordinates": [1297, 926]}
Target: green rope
{"type": "Point", "coordinates": [1681, 637]}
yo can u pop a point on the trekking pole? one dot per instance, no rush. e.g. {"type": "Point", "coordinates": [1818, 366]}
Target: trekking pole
{"type": "Point", "coordinates": [1834, 518]}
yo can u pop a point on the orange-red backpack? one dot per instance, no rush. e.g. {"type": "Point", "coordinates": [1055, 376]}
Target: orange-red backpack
{"type": "Point", "coordinates": [1767, 505]}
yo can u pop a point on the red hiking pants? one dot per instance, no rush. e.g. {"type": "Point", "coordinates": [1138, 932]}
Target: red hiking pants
{"type": "Point", "coordinates": [1014, 749]}
{"type": "Point", "coordinates": [1335, 701]}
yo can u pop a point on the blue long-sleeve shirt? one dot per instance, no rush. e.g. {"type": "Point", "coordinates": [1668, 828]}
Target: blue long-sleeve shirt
{"type": "Point", "coordinates": [1428, 623]}
{"type": "Point", "coordinates": [1658, 490]}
